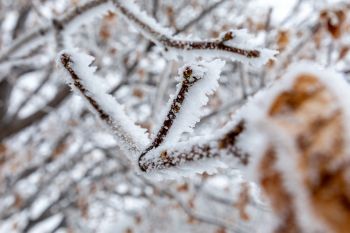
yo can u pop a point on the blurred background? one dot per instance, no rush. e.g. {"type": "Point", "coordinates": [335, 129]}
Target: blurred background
{"type": "Point", "coordinates": [62, 171]}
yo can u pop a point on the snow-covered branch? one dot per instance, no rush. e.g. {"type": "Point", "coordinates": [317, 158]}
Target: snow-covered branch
{"type": "Point", "coordinates": [235, 45]}
{"type": "Point", "coordinates": [198, 155]}
{"type": "Point", "coordinates": [189, 79]}
{"type": "Point", "coordinates": [198, 81]}
{"type": "Point", "coordinates": [70, 21]}
{"type": "Point", "coordinates": [132, 139]}
{"type": "Point", "coordinates": [265, 151]}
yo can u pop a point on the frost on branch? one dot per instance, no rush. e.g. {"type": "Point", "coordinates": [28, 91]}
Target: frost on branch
{"type": "Point", "coordinates": [131, 138]}
{"type": "Point", "coordinates": [82, 14]}
{"type": "Point", "coordinates": [198, 155]}
{"type": "Point", "coordinates": [235, 45]}
{"type": "Point", "coordinates": [304, 165]}
{"type": "Point", "coordinates": [198, 81]}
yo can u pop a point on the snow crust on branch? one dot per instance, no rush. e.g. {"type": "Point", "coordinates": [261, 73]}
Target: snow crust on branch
{"type": "Point", "coordinates": [253, 131]}
{"type": "Point", "coordinates": [131, 138]}
{"type": "Point", "coordinates": [239, 48]}
{"type": "Point", "coordinates": [148, 26]}
{"type": "Point", "coordinates": [208, 74]}
{"type": "Point", "coordinates": [200, 154]}
{"type": "Point", "coordinates": [80, 15]}
{"type": "Point", "coordinates": [31, 39]}
{"type": "Point", "coordinates": [198, 80]}
{"type": "Point", "coordinates": [91, 11]}
{"type": "Point", "coordinates": [234, 45]}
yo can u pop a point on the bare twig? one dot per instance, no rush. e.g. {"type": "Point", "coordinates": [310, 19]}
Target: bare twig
{"type": "Point", "coordinates": [46, 78]}
{"type": "Point", "coordinates": [199, 17]}
{"type": "Point", "coordinates": [192, 213]}
{"type": "Point", "coordinates": [17, 125]}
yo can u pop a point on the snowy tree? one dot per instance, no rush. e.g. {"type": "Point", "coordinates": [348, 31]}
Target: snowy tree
{"type": "Point", "coordinates": [186, 116]}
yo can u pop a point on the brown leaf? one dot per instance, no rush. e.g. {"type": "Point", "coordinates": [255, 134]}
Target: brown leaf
{"type": "Point", "coordinates": [221, 230]}
{"type": "Point", "coordinates": [83, 205]}
{"type": "Point", "coordinates": [281, 200]}
{"type": "Point", "coordinates": [282, 39]}
{"type": "Point", "coordinates": [312, 117]}
{"type": "Point", "coordinates": [138, 93]}
{"type": "Point", "coordinates": [191, 220]}
{"type": "Point", "coordinates": [18, 201]}
{"type": "Point", "coordinates": [243, 202]}
{"type": "Point", "coordinates": [182, 188]}
{"type": "Point", "coordinates": [334, 21]}
{"type": "Point", "coordinates": [3, 148]}
{"type": "Point", "coordinates": [138, 219]}
{"type": "Point", "coordinates": [343, 52]}
{"type": "Point", "coordinates": [128, 230]}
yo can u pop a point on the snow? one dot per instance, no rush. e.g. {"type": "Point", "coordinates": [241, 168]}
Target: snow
{"type": "Point", "coordinates": [208, 74]}
{"type": "Point", "coordinates": [185, 169]}
{"type": "Point", "coordinates": [37, 37]}
{"type": "Point", "coordinates": [34, 61]}
{"type": "Point", "coordinates": [281, 8]}
{"type": "Point", "coordinates": [241, 40]}
{"type": "Point", "coordinates": [31, 40]}
{"type": "Point", "coordinates": [197, 96]}
{"type": "Point", "coordinates": [188, 55]}
{"type": "Point", "coordinates": [163, 37]}
{"type": "Point", "coordinates": [84, 19]}
{"type": "Point", "coordinates": [261, 132]}
{"type": "Point", "coordinates": [48, 225]}
{"type": "Point", "coordinates": [188, 168]}
{"type": "Point", "coordinates": [86, 164]}
{"type": "Point", "coordinates": [255, 111]}
{"type": "Point", "coordinates": [131, 138]}
{"type": "Point", "coordinates": [148, 26]}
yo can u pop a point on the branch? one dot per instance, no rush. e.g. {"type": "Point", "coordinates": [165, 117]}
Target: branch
{"type": "Point", "coordinates": [198, 81]}
{"type": "Point", "coordinates": [46, 78]}
{"type": "Point", "coordinates": [150, 28]}
{"type": "Point", "coordinates": [188, 81]}
{"type": "Point", "coordinates": [186, 26]}
{"type": "Point", "coordinates": [204, 13]}
{"type": "Point", "coordinates": [198, 150]}
{"type": "Point", "coordinates": [66, 197]}
{"type": "Point", "coordinates": [58, 24]}
{"type": "Point", "coordinates": [17, 125]}
{"type": "Point", "coordinates": [232, 45]}
{"type": "Point", "coordinates": [189, 211]}
{"type": "Point", "coordinates": [131, 138]}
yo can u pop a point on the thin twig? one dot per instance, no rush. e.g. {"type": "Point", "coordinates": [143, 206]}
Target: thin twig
{"type": "Point", "coordinates": [158, 36]}
{"type": "Point", "coordinates": [187, 82]}
{"type": "Point", "coordinates": [207, 149]}
{"type": "Point", "coordinates": [57, 24]}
